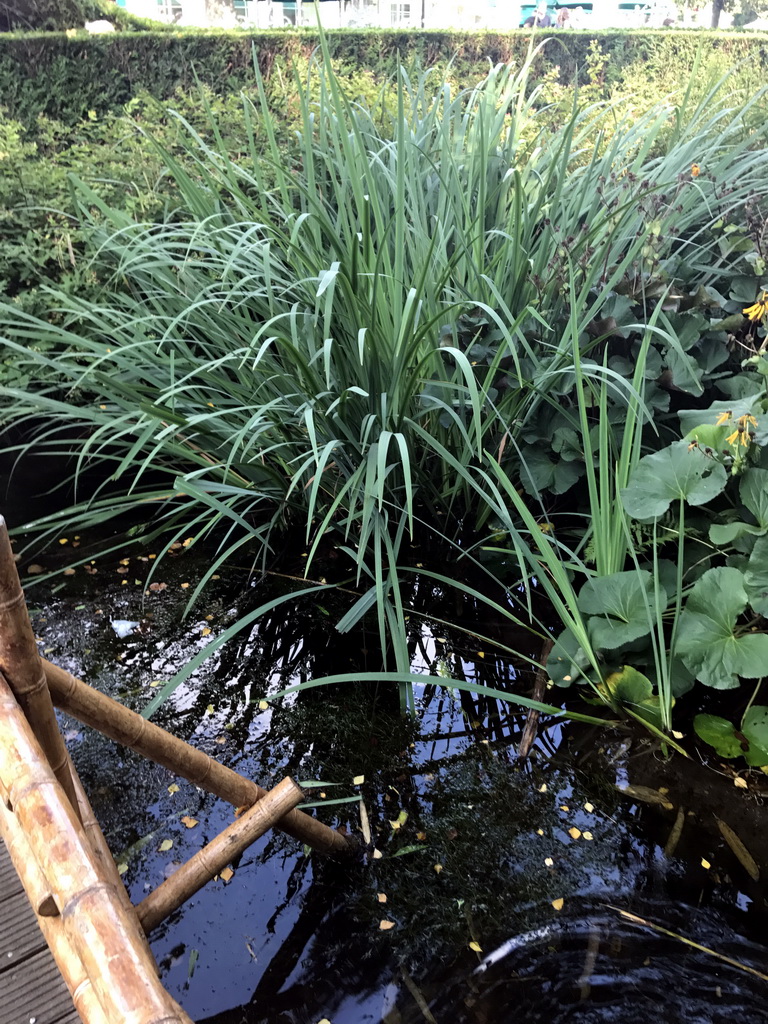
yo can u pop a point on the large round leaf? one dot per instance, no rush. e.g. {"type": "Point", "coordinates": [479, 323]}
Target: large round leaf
{"type": "Point", "coordinates": [707, 639]}
{"type": "Point", "coordinates": [669, 475]}
{"type": "Point", "coordinates": [755, 728]}
{"type": "Point", "coordinates": [756, 578]}
{"type": "Point", "coordinates": [619, 606]}
{"type": "Point", "coordinates": [719, 733]}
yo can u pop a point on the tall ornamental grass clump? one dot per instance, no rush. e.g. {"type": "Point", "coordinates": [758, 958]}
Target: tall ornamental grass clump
{"type": "Point", "coordinates": [342, 334]}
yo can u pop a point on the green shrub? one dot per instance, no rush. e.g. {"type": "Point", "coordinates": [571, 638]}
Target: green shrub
{"type": "Point", "coordinates": [61, 15]}
{"type": "Point", "coordinates": [65, 77]}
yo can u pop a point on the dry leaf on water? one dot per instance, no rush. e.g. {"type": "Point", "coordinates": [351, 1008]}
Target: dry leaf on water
{"type": "Point", "coordinates": [189, 822]}
{"type": "Point", "coordinates": [385, 925]}
{"type": "Point", "coordinates": [165, 845]}
{"type": "Point", "coordinates": [745, 858]}
{"type": "Point", "coordinates": [226, 874]}
{"type": "Point", "coordinates": [558, 904]}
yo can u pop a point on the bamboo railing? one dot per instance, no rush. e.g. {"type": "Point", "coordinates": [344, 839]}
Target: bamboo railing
{"type": "Point", "coordinates": [97, 937]}
{"type": "Point", "coordinates": [96, 940]}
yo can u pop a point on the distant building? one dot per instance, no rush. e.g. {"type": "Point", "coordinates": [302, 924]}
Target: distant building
{"type": "Point", "coordinates": [436, 14]}
{"type": "Point", "coordinates": [466, 14]}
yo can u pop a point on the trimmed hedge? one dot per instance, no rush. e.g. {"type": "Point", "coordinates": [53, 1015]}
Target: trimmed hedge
{"type": "Point", "coordinates": [65, 77]}
{"type": "Point", "coordinates": [60, 15]}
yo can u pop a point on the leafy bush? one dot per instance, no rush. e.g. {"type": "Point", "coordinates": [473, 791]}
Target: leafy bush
{"type": "Point", "coordinates": [65, 77]}
{"type": "Point", "coordinates": [61, 15]}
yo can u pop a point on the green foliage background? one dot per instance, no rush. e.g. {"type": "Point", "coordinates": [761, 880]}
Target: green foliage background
{"type": "Point", "coordinates": [60, 15]}
{"type": "Point", "coordinates": [62, 77]}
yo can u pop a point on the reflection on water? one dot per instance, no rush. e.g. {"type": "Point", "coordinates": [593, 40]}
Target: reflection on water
{"type": "Point", "coordinates": [476, 853]}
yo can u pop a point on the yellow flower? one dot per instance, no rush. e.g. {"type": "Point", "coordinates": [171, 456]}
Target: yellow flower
{"type": "Point", "coordinates": [759, 309]}
{"type": "Point", "coordinates": [695, 171]}
{"type": "Point", "coordinates": [723, 418]}
{"type": "Point", "coordinates": [741, 434]}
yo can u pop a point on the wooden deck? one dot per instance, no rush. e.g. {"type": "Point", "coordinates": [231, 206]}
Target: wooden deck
{"type": "Point", "coordinates": [31, 989]}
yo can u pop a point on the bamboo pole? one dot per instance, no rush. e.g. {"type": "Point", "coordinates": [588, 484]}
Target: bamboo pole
{"type": "Point", "coordinates": [31, 877]}
{"type": "Point", "coordinates": [115, 961]}
{"type": "Point", "coordinates": [131, 730]}
{"type": "Point", "coordinates": [201, 868]}
{"type": "Point", "coordinates": [105, 862]}
{"type": "Point", "coordinates": [53, 927]}
{"type": "Point", "coordinates": [21, 665]}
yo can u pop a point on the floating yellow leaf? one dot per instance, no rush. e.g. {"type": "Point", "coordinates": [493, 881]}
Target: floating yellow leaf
{"type": "Point", "coordinates": [221, 739]}
{"type": "Point", "coordinates": [481, 654]}
{"type": "Point", "coordinates": [165, 845]}
{"type": "Point", "coordinates": [209, 709]}
{"type": "Point", "coordinates": [122, 868]}
{"type": "Point", "coordinates": [189, 822]}
{"type": "Point", "coordinates": [206, 631]}
{"type": "Point", "coordinates": [263, 705]}
{"type": "Point", "coordinates": [589, 808]}
{"type": "Point", "coordinates": [705, 863]}
{"type": "Point", "coordinates": [539, 831]}
{"type": "Point", "coordinates": [226, 874]}
{"type": "Point", "coordinates": [377, 854]}
{"type": "Point", "coordinates": [421, 836]}
{"type": "Point", "coordinates": [358, 780]}
{"type": "Point", "coordinates": [173, 788]}
{"type": "Point", "coordinates": [385, 925]}
{"type": "Point", "coordinates": [543, 787]}
{"type": "Point", "coordinates": [184, 586]}
{"type": "Point", "coordinates": [558, 904]}
{"type": "Point", "coordinates": [574, 833]}
{"type": "Point", "coordinates": [69, 572]}
{"type": "Point", "coordinates": [564, 807]}
{"type": "Point", "coordinates": [476, 947]}
{"type": "Point", "coordinates": [438, 868]}
{"type": "Point", "coordinates": [548, 861]}
{"type": "Point", "coordinates": [740, 783]}
{"type": "Point", "coordinates": [587, 835]}
{"type": "Point", "coordinates": [381, 897]}
{"type": "Point", "coordinates": [63, 540]}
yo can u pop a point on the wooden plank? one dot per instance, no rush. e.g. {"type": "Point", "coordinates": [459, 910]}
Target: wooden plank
{"type": "Point", "coordinates": [34, 990]}
{"type": "Point", "coordinates": [9, 881]}
{"type": "Point", "coordinates": [30, 984]}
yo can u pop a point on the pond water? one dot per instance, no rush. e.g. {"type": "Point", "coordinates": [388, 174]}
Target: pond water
{"type": "Point", "coordinates": [498, 890]}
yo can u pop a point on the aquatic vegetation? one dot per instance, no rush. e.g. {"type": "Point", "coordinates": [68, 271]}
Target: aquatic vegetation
{"type": "Point", "coordinates": [428, 321]}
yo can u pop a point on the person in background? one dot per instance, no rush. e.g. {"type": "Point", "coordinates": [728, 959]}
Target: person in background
{"type": "Point", "coordinates": [563, 18]}
{"type": "Point", "coordinates": [540, 19]}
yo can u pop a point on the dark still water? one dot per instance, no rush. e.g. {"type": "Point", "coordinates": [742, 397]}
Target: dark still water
{"type": "Point", "coordinates": [487, 890]}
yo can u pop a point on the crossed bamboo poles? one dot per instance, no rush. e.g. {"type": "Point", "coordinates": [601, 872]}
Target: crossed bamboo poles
{"type": "Point", "coordinates": [96, 935]}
